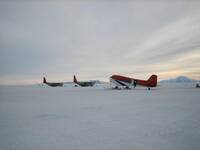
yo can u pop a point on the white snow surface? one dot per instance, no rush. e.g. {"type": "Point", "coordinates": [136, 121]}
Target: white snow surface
{"type": "Point", "coordinates": [99, 118]}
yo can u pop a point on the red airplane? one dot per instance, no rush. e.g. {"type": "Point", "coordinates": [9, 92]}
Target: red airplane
{"type": "Point", "coordinates": [122, 81]}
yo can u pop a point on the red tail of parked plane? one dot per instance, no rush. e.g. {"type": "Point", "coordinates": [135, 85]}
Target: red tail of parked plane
{"type": "Point", "coordinates": [44, 80]}
{"type": "Point", "coordinates": [75, 80]}
{"type": "Point", "coordinates": [152, 81]}
{"type": "Point", "coordinates": [127, 82]}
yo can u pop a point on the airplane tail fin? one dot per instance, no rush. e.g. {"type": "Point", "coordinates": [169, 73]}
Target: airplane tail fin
{"type": "Point", "coordinates": [44, 80]}
{"type": "Point", "coordinates": [75, 80]}
{"type": "Point", "coordinates": [152, 81]}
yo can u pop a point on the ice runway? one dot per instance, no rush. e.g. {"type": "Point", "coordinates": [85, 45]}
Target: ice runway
{"type": "Point", "coordinates": [45, 118]}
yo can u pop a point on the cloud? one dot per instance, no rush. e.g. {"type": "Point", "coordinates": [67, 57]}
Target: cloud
{"type": "Point", "coordinates": [97, 39]}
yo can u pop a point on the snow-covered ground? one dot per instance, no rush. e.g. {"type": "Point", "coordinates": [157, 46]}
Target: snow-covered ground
{"type": "Point", "coordinates": [74, 118]}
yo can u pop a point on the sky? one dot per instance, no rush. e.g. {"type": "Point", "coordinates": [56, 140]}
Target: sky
{"type": "Point", "coordinates": [95, 39]}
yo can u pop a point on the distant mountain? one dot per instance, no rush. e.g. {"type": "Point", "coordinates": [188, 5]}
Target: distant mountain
{"type": "Point", "coordinates": [180, 79]}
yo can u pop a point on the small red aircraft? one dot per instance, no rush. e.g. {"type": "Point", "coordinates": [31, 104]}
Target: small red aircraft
{"type": "Point", "coordinates": [127, 82]}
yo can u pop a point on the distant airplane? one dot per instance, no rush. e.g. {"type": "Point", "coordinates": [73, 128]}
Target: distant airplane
{"type": "Point", "coordinates": [83, 83]}
{"type": "Point", "coordinates": [53, 84]}
{"type": "Point", "coordinates": [127, 82]}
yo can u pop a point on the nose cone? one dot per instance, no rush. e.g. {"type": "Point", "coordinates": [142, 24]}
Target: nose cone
{"type": "Point", "coordinates": [113, 77]}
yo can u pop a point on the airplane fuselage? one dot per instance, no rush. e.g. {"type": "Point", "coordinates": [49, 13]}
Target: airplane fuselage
{"type": "Point", "coordinates": [54, 84]}
{"type": "Point", "coordinates": [85, 84]}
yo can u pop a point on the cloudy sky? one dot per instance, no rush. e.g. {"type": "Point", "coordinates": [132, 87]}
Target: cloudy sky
{"type": "Point", "coordinates": [95, 39]}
